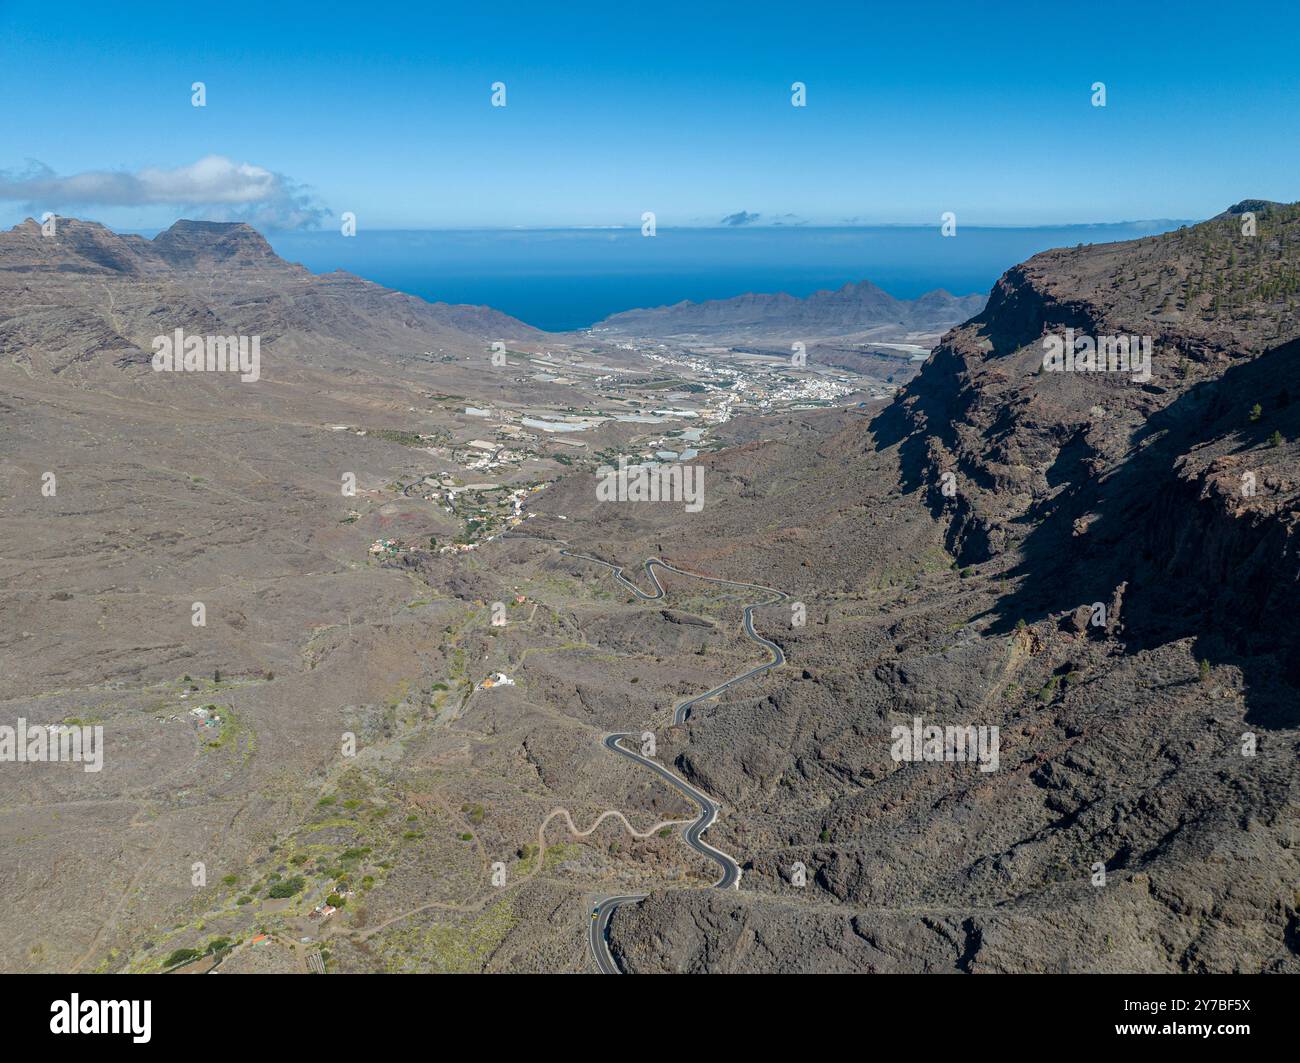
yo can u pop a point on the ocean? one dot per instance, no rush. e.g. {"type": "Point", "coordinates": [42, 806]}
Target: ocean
{"type": "Point", "coordinates": [562, 279]}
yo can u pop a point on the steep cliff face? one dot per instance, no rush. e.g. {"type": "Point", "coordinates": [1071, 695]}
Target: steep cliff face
{"type": "Point", "coordinates": [216, 245]}
{"type": "Point", "coordinates": [1020, 439]}
{"type": "Point", "coordinates": [1214, 516]}
{"type": "Point", "coordinates": [1179, 483]}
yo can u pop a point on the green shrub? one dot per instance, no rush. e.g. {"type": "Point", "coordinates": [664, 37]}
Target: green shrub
{"type": "Point", "coordinates": [181, 956]}
{"type": "Point", "coordinates": [287, 888]}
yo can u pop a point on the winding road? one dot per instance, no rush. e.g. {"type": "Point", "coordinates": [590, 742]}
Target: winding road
{"type": "Point", "coordinates": [604, 907]}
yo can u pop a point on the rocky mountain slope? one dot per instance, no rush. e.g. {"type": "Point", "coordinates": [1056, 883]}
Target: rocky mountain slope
{"type": "Point", "coordinates": [1109, 578]}
{"type": "Point", "coordinates": [86, 291]}
{"type": "Point", "coordinates": [128, 495]}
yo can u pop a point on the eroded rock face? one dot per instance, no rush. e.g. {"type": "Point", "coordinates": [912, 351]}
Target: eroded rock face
{"type": "Point", "coordinates": [214, 244]}
{"type": "Point", "coordinates": [1120, 607]}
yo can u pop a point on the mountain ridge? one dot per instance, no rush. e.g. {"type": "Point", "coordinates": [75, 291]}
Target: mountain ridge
{"type": "Point", "coordinates": [853, 307]}
{"type": "Point", "coordinates": [209, 277]}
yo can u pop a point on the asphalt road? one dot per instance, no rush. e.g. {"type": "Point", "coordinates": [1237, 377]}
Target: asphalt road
{"type": "Point", "coordinates": [598, 938]}
{"type": "Point", "coordinates": [604, 907]}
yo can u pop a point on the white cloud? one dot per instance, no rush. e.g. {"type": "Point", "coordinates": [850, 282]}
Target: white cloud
{"type": "Point", "coordinates": [214, 188]}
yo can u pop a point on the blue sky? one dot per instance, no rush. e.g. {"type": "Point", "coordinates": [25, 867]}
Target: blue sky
{"type": "Point", "coordinates": [678, 108]}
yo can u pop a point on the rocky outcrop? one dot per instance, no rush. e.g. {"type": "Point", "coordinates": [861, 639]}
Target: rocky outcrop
{"type": "Point", "coordinates": [216, 245]}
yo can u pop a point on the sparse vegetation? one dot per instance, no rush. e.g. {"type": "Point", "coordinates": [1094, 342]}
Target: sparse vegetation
{"type": "Point", "coordinates": [180, 956]}
{"type": "Point", "coordinates": [286, 888]}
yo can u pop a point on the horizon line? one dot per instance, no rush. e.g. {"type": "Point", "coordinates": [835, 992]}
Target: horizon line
{"type": "Point", "coordinates": [632, 228]}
